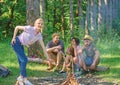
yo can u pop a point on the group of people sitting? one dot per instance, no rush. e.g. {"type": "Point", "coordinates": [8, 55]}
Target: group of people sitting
{"type": "Point", "coordinates": [85, 57]}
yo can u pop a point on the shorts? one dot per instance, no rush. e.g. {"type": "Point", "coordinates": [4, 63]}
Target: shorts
{"type": "Point", "coordinates": [89, 61]}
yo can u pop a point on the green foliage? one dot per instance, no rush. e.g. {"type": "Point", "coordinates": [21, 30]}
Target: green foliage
{"type": "Point", "coordinates": [13, 13]}
{"type": "Point", "coordinates": [53, 20]}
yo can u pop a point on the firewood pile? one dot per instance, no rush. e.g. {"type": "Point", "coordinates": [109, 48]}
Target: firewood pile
{"type": "Point", "coordinates": [70, 79]}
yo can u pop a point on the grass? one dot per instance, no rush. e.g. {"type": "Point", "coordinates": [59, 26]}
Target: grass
{"type": "Point", "coordinates": [110, 56]}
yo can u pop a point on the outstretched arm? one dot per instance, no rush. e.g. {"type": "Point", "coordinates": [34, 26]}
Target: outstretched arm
{"type": "Point", "coordinates": [15, 32]}
{"type": "Point", "coordinates": [44, 49]}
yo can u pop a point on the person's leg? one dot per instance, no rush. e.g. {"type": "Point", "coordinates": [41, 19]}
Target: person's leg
{"type": "Point", "coordinates": [88, 61]}
{"type": "Point", "coordinates": [82, 62]}
{"type": "Point", "coordinates": [94, 64]}
{"type": "Point", "coordinates": [22, 59]}
{"type": "Point", "coordinates": [66, 62]}
{"type": "Point", "coordinates": [52, 62]}
{"type": "Point", "coordinates": [63, 67]}
{"type": "Point", "coordinates": [59, 58]}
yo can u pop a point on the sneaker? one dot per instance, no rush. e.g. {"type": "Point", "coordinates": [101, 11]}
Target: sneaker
{"type": "Point", "coordinates": [60, 72]}
{"type": "Point", "coordinates": [20, 80]}
{"type": "Point", "coordinates": [27, 82]}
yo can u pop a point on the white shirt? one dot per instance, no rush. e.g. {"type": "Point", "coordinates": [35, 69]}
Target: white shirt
{"type": "Point", "coordinates": [28, 37]}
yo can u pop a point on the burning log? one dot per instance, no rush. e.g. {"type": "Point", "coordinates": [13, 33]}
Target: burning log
{"type": "Point", "coordinates": [70, 79]}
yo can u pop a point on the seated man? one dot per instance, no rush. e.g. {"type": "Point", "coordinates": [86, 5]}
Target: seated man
{"type": "Point", "coordinates": [55, 50]}
{"type": "Point", "coordinates": [91, 57]}
{"type": "Point", "coordinates": [72, 55]}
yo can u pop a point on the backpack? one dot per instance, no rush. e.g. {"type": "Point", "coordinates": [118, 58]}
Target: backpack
{"type": "Point", "coordinates": [4, 72]}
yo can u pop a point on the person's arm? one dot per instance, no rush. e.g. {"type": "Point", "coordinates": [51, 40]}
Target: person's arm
{"type": "Point", "coordinates": [62, 45]}
{"type": "Point", "coordinates": [44, 49]}
{"type": "Point", "coordinates": [96, 57]}
{"type": "Point", "coordinates": [52, 49]}
{"type": "Point", "coordinates": [75, 51]}
{"type": "Point", "coordinates": [15, 32]}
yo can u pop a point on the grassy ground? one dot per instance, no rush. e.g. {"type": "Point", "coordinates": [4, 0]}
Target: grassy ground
{"type": "Point", "coordinates": [110, 56]}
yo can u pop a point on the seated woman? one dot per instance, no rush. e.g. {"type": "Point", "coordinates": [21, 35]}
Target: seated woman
{"type": "Point", "coordinates": [72, 54]}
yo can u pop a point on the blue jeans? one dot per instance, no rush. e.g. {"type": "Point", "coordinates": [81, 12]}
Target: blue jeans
{"type": "Point", "coordinates": [22, 58]}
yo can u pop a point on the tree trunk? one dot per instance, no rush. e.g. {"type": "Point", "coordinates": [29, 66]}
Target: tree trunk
{"type": "Point", "coordinates": [42, 9]}
{"type": "Point", "coordinates": [93, 19]}
{"type": "Point", "coordinates": [63, 20]}
{"type": "Point", "coordinates": [54, 14]}
{"type": "Point", "coordinates": [109, 17]}
{"type": "Point", "coordinates": [101, 14]}
{"type": "Point", "coordinates": [81, 20]}
{"type": "Point", "coordinates": [33, 12]}
{"type": "Point", "coordinates": [115, 9]}
{"type": "Point", "coordinates": [87, 21]}
{"type": "Point", "coordinates": [71, 18]}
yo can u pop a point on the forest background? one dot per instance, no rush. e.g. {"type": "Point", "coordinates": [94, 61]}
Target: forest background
{"type": "Point", "coordinates": [70, 18]}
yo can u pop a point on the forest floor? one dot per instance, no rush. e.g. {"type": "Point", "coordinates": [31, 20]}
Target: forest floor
{"type": "Point", "coordinates": [85, 79]}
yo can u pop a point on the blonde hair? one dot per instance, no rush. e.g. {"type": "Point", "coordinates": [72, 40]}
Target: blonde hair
{"type": "Point", "coordinates": [55, 34]}
{"type": "Point", "coordinates": [39, 19]}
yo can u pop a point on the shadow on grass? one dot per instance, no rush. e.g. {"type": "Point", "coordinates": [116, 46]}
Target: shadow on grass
{"type": "Point", "coordinates": [44, 77]}
{"type": "Point", "coordinates": [11, 79]}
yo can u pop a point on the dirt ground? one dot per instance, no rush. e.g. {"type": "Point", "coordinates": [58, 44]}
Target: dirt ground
{"type": "Point", "coordinates": [87, 79]}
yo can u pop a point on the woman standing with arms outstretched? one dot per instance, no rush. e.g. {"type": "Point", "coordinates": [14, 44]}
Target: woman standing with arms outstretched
{"type": "Point", "coordinates": [30, 35]}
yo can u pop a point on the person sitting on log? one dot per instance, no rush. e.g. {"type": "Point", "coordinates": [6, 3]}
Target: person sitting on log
{"type": "Point", "coordinates": [89, 56]}
{"type": "Point", "coordinates": [55, 50]}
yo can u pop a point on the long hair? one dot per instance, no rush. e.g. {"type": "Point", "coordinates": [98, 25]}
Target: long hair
{"type": "Point", "coordinates": [70, 50]}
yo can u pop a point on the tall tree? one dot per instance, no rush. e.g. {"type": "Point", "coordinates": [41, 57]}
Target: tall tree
{"type": "Point", "coordinates": [87, 21]}
{"type": "Point", "coordinates": [109, 16]}
{"type": "Point", "coordinates": [101, 15]}
{"type": "Point", "coordinates": [80, 14]}
{"type": "Point", "coordinates": [54, 14]}
{"type": "Point", "coordinates": [93, 19]}
{"type": "Point", "coordinates": [63, 19]}
{"type": "Point", "coordinates": [71, 18]}
{"type": "Point", "coordinates": [33, 12]}
{"type": "Point", "coordinates": [115, 9]}
{"type": "Point", "coordinates": [42, 9]}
